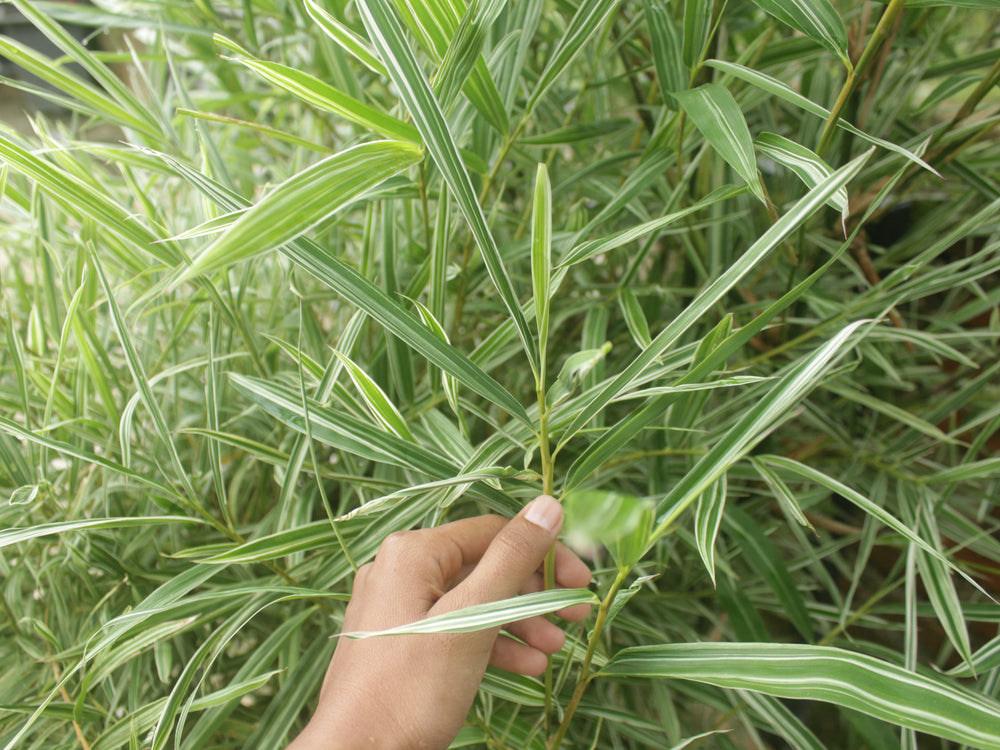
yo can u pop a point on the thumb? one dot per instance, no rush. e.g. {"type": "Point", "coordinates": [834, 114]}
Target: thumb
{"type": "Point", "coordinates": [514, 554]}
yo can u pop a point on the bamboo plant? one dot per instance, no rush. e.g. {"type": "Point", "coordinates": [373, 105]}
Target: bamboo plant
{"type": "Point", "coordinates": [285, 276]}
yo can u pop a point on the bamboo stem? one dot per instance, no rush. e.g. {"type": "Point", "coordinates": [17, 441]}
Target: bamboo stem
{"type": "Point", "coordinates": [585, 675]}
{"type": "Point", "coordinates": [881, 33]}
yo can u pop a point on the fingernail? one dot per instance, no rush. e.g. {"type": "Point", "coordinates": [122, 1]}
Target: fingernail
{"type": "Point", "coordinates": [545, 511]}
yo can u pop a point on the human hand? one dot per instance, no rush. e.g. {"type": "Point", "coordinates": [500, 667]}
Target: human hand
{"type": "Point", "coordinates": [414, 691]}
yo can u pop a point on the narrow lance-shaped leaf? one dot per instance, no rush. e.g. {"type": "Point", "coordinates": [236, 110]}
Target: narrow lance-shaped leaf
{"type": "Point", "coordinates": [304, 200]}
{"type": "Point", "coordinates": [541, 258]}
{"type": "Point", "coordinates": [697, 26]}
{"type": "Point", "coordinates": [845, 678]}
{"type": "Point", "coordinates": [379, 405]}
{"type": "Point", "coordinates": [752, 426]}
{"type": "Point", "coordinates": [806, 164]}
{"type": "Point", "coordinates": [585, 22]}
{"type": "Point", "coordinates": [347, 39]}
{"type": "Point", "coordinates": [784, 91]}
{"type": "Point", "coordinates": [437, 24]}
{"type": "Point", "coordinates": [716, 114]}
{"type": "Point", "coordinates": [389, 38]}
{"type": "Point", "coordinates": [939, 584]}
{"type": "Point", "coordinates": [483, 616]}
{"type": "Point", "coordinates": [465, 50]}
{"type": "Point", "coordinates": [873, 509]}
{"type": "Point", "coordinates": [671, 71]}
{"type": "Point", "coordinates": [817, 19]}
{"type": "Point", "coordinates": [778, 231]}
{"type": "Point", "coordinates": [707, 518]}
{"type": "Point", "coordinates": [765, 561]}
{"type": "Point", "coordinates": [635, 320]}
{"type": "Point", "coordinates": [347, 282]}
{"type": "Point", "coordinates": [322, 95]}
{"type": "Point", "coordinates": [450, 386]}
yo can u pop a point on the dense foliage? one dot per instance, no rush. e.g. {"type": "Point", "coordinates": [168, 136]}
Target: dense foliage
{"type": "Point", "coordinates": [288, 275]}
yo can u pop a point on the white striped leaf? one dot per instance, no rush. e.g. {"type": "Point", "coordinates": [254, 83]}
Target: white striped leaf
{"type": "Point", "coordinates": [379, 405]}
{"type": "Point", "coordinates": [716, 114]}
{"type": "Point", "coordinates": [447, 381]}
{"type": "Point", "coordinates": [667, 46]}
{"type": "Point", "coordinates": [347, 39]}
{"type": "Point", "coordinates": [491, 615]}
{"type": "Point", "coordinates": [304, 200]}
{"type": "Point", "coordinates": [15, 536]}
{"type": "Point", "coordinates": [635, 320]}
{"type": "Point", "coordinates": [339, 430]}
{"type": "Point", "coordinates": [787, 93]}
{"type": "Point", "coordinates": [464, 53]}
{"type": "Point", "coordinates": [437, 25]}
{"type": "Point", "coordinates": [719, 286]}
{"type": "Point", "coordinates": [873, 509]}
{"type": "Point", "coordinates": [541, 259]}
{"type": "Point", "coordinates": [594, 248]}
{"type": "Point", "coordinates": [589, 17]}
{"type": "Point", "coordinates": [404, 70]}
{"type": "Point", "coordinates": [806, 164]}
{"type": "Point", "coordinates": [817, 19]}
{"type": "Point", "coordinates": [928, 704]}
{"type": "Point", "coordinates": [940, 587]}
{"type": "Point", "coordinates": [707, 518]}
{"type": "Point", "coordinates": [347, 282]}
{"type": "Point", "coordinates": [754, 425]}
{"type": "Point", "coordinates": [322, 95]}
{"type": "Point", "coordinates": [781, 721]}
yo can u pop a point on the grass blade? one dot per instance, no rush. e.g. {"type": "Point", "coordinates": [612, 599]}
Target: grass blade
{"type": "Point", "coordinates": [719, 286]}
{"type": "Point", "coordinates": [817, 19]}
{"type": "Point", "coordinates": [483, 616]}
{"type": "Point", "coordinates": [387, 34]}
{"type": "Point", "coordinates": [845, 678]}
{"type": "Point", "coordinates": [716, 114]}
{"type": "Point", "coordinates": [303, 201]}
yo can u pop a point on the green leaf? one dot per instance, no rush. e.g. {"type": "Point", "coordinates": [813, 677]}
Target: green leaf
{"type": "Point", "coordinates": [464, 53]}
{"type": "Point", "coordinates": [806, 164]}
{"type": "Point", "coordinates": [787, 93]}
{"type": "Point", "coordinates": [541, 257]}
{"type": "Point", "coordinates": [848, 493]}
{"type": "Point", "coordinates": [778, 231]}
{"type": "Point", "coordinates": [379, 405]}
{"type": "Point", "coordinates": [668, 50]}
{"type": "Point", "coordinates": [593, 248]}
{"type": "Point", "coordinates": [340, 430]}
{"type": "Point", "coordinates": [347, 39]}
{"type": "Point", "coordinates": [844, 678]}
{"type": "Point", "coordinates": [707, 519]}
{"type": "Point", "coordinates": [483, 616]}
{"type": "Point", "coordinates": [589, 17]}
{"type": "Point", "coordinates": [936, 576]}
{"type": "Point", "coordinates": [601, 517]}
{"type": "Point", "coordinates": [635, 320]}
{"type": "Point", "coordinates": [303, 201]}
{"type": "Point", "coordinates": [16, 536]}
{"type": "Point", "coordinates": [716, 114]}
{"type": "Point", "coordinates": [323, 96]}
{"type": "Point", "coordinates": [388, 36]}
{"type": "Point", "coordinates": [754, 425]}
{"type": "Point", "coordinates": [354, 287]}
{"type": "Point", "coordinates": [817, 19]}
{"type": "Point", "coordinates": [437, 25]}
{"type": "Point", "coordinates": [697, 27]}
{"type": "Point", "coordinates": [764, 560]}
